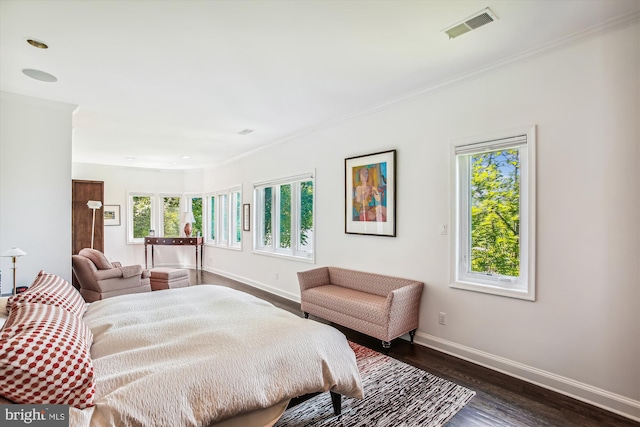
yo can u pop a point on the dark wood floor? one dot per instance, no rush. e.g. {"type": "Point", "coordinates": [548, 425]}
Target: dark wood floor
{"type": "Point", "coordinates": [500, 400]}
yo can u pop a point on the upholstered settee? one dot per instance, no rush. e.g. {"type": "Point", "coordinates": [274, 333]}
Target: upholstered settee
{"type": "Point", "coordinates": [99, 278]}
{"type": "Point", "coordinates": [383, 307]}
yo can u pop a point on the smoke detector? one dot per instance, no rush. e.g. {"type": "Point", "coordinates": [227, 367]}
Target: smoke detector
{"type": "Point", "coordinates": [476, 20]}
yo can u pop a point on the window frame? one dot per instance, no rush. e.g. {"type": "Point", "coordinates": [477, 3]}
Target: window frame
{"type": "Point", "coordinates": [235, 218]}
{"type": "Point", "coordinates": [188, 207]}
{"type": "Point", "coordinates": [157, 212]}
{"type": "Point", "coordinates": [224, 225]}
{"type": "Point", "coordinates": [207, 226]}
{"type": "Point", "coordinates": [524, 287]}
{"type": "Point", "coordinates": [160, 218]}
{"type": "Point", "coordinates": [130, 228]}
{"type": "Point", "coordinates": [295, 251]}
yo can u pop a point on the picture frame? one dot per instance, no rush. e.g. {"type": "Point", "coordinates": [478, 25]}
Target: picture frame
{"type": "Point", "coordinates": [246, 217]}
{"type": "Point", "coordinates": [370, 194]}
{"type": "Point", "coordinates": [111, 214]}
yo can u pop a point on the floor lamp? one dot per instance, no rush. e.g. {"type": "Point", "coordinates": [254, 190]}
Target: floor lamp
{"type": "Point", "coordinates": [14, 253]}
{"type": "Point", "coordinates": [93, 204]}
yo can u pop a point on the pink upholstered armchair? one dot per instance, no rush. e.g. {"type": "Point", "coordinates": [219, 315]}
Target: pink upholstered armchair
{"type": "Point", "coordinates": [98, 278]}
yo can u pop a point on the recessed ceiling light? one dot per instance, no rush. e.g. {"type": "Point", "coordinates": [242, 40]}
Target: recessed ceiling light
{"type": "Point", "coordinates": [37, 43]}
{"type": "Point", "coordinates": [39, 75]}
{"type": "Point", "coordinates": [129, 158]}
{"type": "Point", "coordinates": [245, 132]}
{"type": "Point", "coordinates": [185, 157]}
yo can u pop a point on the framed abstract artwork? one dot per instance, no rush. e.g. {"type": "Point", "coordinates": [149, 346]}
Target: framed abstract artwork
{"type": "Point", "coordinates": [370, 194]}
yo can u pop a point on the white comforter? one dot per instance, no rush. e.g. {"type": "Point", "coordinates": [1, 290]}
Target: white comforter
{"type": "Point", "coordinates": [198, 355]}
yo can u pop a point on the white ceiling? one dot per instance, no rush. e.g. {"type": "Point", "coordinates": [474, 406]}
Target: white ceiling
{"type": "Point", "coordinates": [158, 80]}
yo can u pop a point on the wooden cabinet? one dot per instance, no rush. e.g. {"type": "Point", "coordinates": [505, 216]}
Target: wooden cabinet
{"type": "Point", "coordinates": [82, 216]}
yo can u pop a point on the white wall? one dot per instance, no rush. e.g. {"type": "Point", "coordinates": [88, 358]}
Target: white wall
{"type": "Point", "coordinates": [582, 335]}
{"type": "Point", "coordinates": [35, 187]}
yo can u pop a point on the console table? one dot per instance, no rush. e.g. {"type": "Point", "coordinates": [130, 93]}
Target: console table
{"type": "Point", "coordinates": [174, 241]}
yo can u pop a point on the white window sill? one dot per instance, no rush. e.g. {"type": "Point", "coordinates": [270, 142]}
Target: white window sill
{"type": "Point", "coordinates": [510, 291]}
{"type": "Point", "coordinates": [233, 248]}
{"type": "Point", "coordinates": [309, 260]}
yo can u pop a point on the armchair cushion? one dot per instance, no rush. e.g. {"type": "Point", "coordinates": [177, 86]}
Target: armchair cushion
{"type": "Point", "coordinates": [101, 262]}
{"type": "Point", "coordinates": [131, 270]}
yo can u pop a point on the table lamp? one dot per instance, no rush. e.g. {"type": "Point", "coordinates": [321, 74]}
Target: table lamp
{"type": "Point", "coordinates": [188, 218]}
{"type": "Point", "coordinates": [14, 253]}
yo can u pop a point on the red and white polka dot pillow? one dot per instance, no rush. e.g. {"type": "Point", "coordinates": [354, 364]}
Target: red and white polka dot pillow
{"type": "Point", "coordinates": [45, 358]}
{"type": "Point", "coordinates": [53, 290]}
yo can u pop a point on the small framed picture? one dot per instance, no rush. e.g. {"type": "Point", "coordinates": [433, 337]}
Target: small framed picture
{"type": "Point", "coordinates": [246, 217]}
{"type": "Point", "coordinates": [111, 214]}
{"type": "Point", "coordinates": [370, 194]}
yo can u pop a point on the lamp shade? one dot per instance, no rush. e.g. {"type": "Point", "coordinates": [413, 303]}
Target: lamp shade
{"type": "Point", "coordinates": [14, 252]}
{"type": "Point", "coordinates": [94, 204]}
{"type": "Point", "coordinates": [187, 217]}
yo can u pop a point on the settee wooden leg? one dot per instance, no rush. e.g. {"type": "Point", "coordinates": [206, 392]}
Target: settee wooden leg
{"type": "Point", "coordinates": [306, 315]}
{"type": "Point", "coordinates": [412, 334]}
{"type": "Point", "coordinates": [336, 401]}
{"type": "Point", "coordinates": [386, 344]}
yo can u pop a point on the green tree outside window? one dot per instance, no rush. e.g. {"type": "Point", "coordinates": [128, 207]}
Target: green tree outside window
{"type": "Point", "coordinates": [495, 213]}
{"type": "Point", "coordinates": [171, 216]}
{"type": "Point", "coordinates": [141, 216]}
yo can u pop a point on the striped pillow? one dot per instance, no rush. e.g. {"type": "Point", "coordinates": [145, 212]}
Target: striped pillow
{"type": "Point", "coordinates": [52, 290]}
{"type": "Point", "coordinates": [45, 358]}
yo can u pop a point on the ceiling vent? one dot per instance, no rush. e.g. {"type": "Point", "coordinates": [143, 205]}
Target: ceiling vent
{"type": "Point", "coordinates": [476, 20]}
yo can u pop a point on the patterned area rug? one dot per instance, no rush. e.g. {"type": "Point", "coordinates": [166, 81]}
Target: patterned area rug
{"type": "Point", "coordinates": [396, 394]}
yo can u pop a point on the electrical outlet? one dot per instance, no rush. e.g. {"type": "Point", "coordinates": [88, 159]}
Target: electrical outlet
{"type": "Point", "coordinates": [443, 229]}
{"type": "Point", "coordinates": [442, 318]}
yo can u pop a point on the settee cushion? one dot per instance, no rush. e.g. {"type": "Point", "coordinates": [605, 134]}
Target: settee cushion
{"type": "Point", "coordinates": [363, 281]}
{"type": "Point", "coordinates": [362, 305]}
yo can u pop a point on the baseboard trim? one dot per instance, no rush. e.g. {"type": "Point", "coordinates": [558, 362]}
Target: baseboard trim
{"type": "Point", "coordinates": [259, 285]}
{"type": "Point", "coordinates": [612, 402]}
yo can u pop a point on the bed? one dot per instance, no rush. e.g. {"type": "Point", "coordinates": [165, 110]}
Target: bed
{"type": "Point", "coordinates": [207, 355]}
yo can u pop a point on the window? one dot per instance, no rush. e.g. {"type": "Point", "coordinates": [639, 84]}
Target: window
{"type": "Point", "coordinates": [140, 214]}
{"type": "Point", "coordinates": [223, 210]}
{"type": "Point", "coordinates": [196, 208]}
{"type": "Point", "coordinates": [284, 217]}
{"type": "Point", "coordinates": [235, 237]}
{"type": "Point", "coordinates": [161, 213]}
{"type": "Point", "coordinates": [211, 237]}
{"type": "Point", "coordinates": [171, 216]}
{"type": "Point", "coordinates": [225, 218]}
{"type": "Point", "coordinates": [495, 215]}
